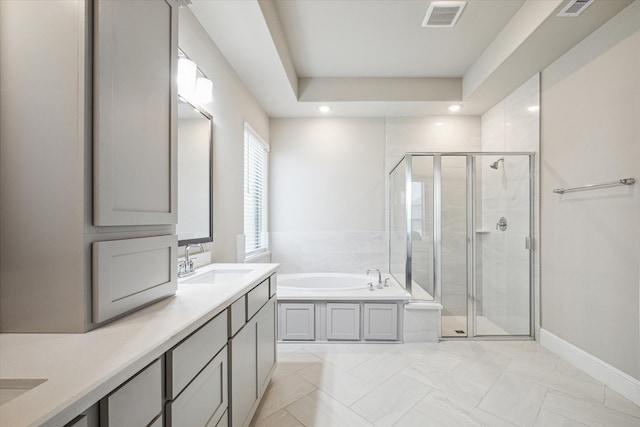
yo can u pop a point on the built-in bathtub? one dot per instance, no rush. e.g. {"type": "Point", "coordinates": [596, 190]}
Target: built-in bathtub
{"type": "Point", "coordinates": [339, 286]}
{"type": "Point", "coordinates": [344, 307]}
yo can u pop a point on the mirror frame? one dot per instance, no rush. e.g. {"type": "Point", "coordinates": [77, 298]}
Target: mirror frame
{"type": "Point", "coordinates": [209, 238]}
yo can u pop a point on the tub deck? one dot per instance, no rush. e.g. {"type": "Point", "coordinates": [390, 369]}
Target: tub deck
{"type": "Point", "coordinates": [393, 292]}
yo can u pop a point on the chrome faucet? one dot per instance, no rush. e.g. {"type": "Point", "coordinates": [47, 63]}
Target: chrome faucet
{"type": "Point", "coordinates": [370, 270]}
{"type": "Point", "coordinates": [186, 267]}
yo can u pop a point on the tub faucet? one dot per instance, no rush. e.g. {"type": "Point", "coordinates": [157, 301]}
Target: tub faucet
{"type": "Point", "coordinates": [185, 267]}
{"type": "Point", "coordinates": [379, 276]}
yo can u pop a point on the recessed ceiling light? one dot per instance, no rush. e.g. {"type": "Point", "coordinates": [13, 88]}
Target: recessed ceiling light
{"type": "Point", "coordinates": [454, 107]}
{"type": "Point", "coordinates": [439, 124]}
{"type": "Point", "coordinates": [533, 108]}
{"type": "Point", "coordinates": [324, 109]}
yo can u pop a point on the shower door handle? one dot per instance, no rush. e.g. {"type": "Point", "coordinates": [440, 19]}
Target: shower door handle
{"type": "Point", "coordinates": [527, 243]}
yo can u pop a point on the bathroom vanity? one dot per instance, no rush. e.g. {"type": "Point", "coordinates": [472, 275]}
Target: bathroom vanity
{"type": "Point", "coordinates": [202, 357]}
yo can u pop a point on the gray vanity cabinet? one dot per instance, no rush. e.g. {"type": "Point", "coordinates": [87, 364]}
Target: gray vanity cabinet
{"type": "Point", "coordinates": [252, 357]}
{"type": "Point", "coordinates": [87, 115]}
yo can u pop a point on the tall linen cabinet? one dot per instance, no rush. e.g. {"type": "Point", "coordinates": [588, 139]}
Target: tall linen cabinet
{"type": "Point", "coordinates": [87, 161]}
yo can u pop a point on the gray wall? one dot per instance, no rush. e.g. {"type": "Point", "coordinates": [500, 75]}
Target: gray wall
{"type": "Point", "coordinates": [327, 194]}
{"type": "Point", "coordinates": [590, 259]}
{"type": "Point", "coordinates": [231, 106]}
{"type": "Point", "coordinates": [328, 184]}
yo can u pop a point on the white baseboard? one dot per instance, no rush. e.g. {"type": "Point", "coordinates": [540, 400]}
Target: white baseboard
{"type": "Point", "coordinates": [612, 377]}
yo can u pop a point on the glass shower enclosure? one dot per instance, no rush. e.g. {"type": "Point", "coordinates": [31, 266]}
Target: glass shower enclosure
{"type": "Point", "coordinates": [460, 230]}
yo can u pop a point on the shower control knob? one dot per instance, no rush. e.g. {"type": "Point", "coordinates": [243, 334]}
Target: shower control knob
{"type": "Point", "coordinates": [501, 224]}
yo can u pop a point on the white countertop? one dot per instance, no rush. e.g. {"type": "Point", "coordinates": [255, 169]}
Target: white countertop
{"type": "Point", "coordinates": [80, 369]}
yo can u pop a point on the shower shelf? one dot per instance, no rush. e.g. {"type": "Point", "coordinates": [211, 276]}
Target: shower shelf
{"type": "Point", "coordinates": [483, 231]}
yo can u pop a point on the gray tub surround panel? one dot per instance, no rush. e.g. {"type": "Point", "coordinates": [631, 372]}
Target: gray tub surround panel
{"type": "Point", "coordinates": [81, 370]}
{"type": "Point", "coordinates": [340, 321]}
{"type": "Point", "coordinates": [100, 128]}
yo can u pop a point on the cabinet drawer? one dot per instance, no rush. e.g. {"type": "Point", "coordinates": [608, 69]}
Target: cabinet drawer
{"type": "Point", "coordinates": [237, 315]}
{"type": "Point", "coordinates": [256, 298]}
{"type": "Point", "coordinates": [204, 401]}
{"type": "Point", "coordinates": [185, 360]}
{"type": "Point", "coordinates": [133, 272]}
{"type": "Point", "coordinates": [137, 402]}
{"type": "Point", "coordinates": [273, 285]}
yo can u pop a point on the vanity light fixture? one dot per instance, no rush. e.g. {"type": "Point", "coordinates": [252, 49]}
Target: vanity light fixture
{"type": "Point", "coordinates": [204, 90]}
{"type": "Point", "coordinates": [187, 72]}
{"type": "Point", "coordinates": [324, 109]}
{"type": "Point", "coordinates": [454, 107]}
{"type": "Point", "coordinates": [198, 90]}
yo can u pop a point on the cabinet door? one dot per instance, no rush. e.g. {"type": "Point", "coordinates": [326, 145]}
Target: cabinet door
{"type": "Point", "coordinates": [188, 358]}
{"type": "Point", "coordinates": [204, 401]}
{"type": "Point", "coordinates": [266, 343]}
{"type": "Point", "coordinates": [90, 418]}
{"type": "Point", "coordinates": [343, 321]}
{"type": "Point", "coordinates": [244, 386]}
{"type": "Point", "coordinates": [137, 403]}
{"type": "Point", "coordinates": [381, 322]}
{"type": "Point", "coordinates": [297, 322]}
{"type": "Point", "coordinates": [135, 112]}
{"type": "Point", "coordinates": [130, 273]}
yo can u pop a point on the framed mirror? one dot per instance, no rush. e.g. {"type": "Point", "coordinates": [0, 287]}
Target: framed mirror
{"type": "Point", "coordinates": [195, 147]}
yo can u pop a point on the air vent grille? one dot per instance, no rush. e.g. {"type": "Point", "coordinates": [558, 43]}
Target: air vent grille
{"type": "Point", "coordinates": [574, 8]}
{"type": "Point", "coordinates": [443, 14]}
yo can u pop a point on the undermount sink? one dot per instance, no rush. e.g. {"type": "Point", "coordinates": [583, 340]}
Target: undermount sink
{"type": "Point", "coordinates": [12, 388]}
{"type": "Point", "coordinates": [218, 276]}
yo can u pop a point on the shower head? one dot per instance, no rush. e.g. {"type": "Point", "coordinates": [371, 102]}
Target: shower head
{"type": "Point", "coordinates": [495, 164]}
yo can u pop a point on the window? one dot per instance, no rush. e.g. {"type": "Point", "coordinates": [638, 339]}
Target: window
{"type": "Point", "coordinates": [255, 192]}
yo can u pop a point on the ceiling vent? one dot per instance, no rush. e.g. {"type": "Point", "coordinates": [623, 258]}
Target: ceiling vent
{"type": "Point", "coordinates": [443, 14]}
{"type": "Point", "coordinates": [574, 8]}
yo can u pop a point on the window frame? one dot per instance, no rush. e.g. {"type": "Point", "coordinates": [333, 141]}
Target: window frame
{"type": "Point", "coordinates": [251, 137]}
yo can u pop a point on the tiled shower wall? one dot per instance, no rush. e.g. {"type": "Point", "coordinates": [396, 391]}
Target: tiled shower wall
{"type": "Point", "coordinates": [503, 285]}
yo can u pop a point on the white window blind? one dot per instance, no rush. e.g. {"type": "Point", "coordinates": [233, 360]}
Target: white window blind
{"type": "Point", "coordinates": [255, 192]}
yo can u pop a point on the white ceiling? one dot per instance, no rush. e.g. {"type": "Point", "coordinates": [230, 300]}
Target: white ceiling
{"type": "Point", "coordinates": [386, 38]}
{"type": "Point", "coordinates": [373, 58]}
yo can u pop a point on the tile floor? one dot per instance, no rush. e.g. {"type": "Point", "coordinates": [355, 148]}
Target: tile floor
{"type": "Point", "coordinates": [452, 383]}
{"type": "Point", "coordinates": [484, 326]}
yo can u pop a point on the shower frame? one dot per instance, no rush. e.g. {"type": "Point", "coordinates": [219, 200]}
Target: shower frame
{"type": "Point", "coordinates": [470, 231]}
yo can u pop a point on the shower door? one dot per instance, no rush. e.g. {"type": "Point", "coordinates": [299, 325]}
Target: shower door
{"type": "Point", "coordinates": [482, 210]}
{"type": "Point", "coordinates": [502, 245]}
